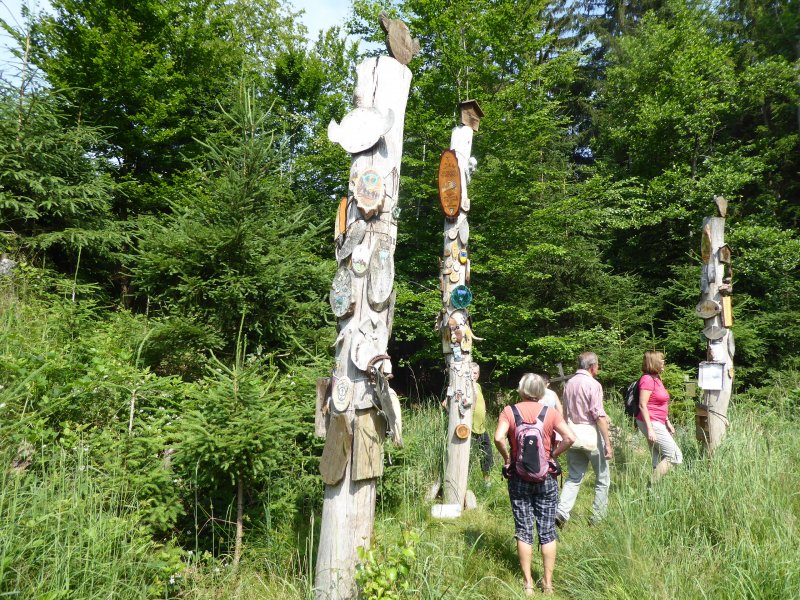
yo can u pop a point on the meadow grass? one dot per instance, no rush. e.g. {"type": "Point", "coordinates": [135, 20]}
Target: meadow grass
{"type": "Point", "coordinates": [62, 536]}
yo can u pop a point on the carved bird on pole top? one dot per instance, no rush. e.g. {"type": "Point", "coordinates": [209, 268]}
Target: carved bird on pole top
{"type": "Point", "coordinates": [399, 43]}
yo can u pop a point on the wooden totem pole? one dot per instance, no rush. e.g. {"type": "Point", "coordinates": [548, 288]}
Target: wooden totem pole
{"type": "Point", "coordinates": [716, 372]}
{"type": "Point", "coordinates": [453, 322]}
{"type": "Point", "coordinates": [356, 407]}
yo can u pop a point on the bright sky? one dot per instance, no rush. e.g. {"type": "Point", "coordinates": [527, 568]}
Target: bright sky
{"type": "Point", "coordinates": [319, 14]}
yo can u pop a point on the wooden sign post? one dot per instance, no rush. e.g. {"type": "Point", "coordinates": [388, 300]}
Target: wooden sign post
{"type": "Point", "coordinates": [716, 372]}
{"type": "Point", "coordinates": [453, 323]}
{"type": "Point", "coordinates": [357, 408]}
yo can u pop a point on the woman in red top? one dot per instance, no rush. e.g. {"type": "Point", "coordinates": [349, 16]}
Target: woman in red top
{"type": "Point", "coordinates": [533, 502]}
{"type": "Point", "coordinates": [653, 420]}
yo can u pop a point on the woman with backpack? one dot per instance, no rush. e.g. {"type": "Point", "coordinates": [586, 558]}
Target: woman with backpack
{"type": "Point", "coordinates": [530, 468]}
{"type": "Point", "coordinates": [653, 418]}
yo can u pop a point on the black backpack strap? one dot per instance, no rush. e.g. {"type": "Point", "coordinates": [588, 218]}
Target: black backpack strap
{"type": "Point", "coordinates": [517, 417]}
{"type": "Point", "coordinates": [542, 414]}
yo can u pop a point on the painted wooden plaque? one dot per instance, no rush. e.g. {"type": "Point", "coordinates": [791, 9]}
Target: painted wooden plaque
{"type": "Point", "coordinates": [705, 244]}
{"type": "Point", "coordinates": [368, 445]}
{"type": "Point", "coordinates": [361, 128]}
{"type": "Point", "coordinates": [727, 311]}
{"type": "Point", "coordinates": [361, 257]}
{"type": "Point", "coordinates": [722, 205]}
{"type": "Point", "coordinates": [341, 296]}
{"type": "Point", "coordinates": [707, 309]}
{"type": "Point", "coordinates": [369, 340]}
{"type": "Point", "coordinates": [714, 332]}
{"type": "Point", "coordinates": [449, 184]}
{"type": "Point", "coordinates": [342, 394]}
{"type": "Point", "coordinates": [381, 275]}
{"type": "Point", "coordinates": [336, 453]}
{"type": "Point", "coordinates": [401, 46]}
{"type": "Point", "coordinates": [369, 192]}
{"type": "Point", "coordinates": [354, 236]}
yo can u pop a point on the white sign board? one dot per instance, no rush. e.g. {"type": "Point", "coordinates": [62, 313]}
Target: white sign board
{"type": "Point", "coordinates": [710, 375]}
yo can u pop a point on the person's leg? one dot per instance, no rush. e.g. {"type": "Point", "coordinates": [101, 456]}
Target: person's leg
{"type": "Point", "coordinates": [602, 481]}
{"type": "Point", "coordinates": [524, 552]}
{"type": "Point", "coordinates": [668, 451]}
{"type": "Point", "coordinates": [577, 462]}
{"type": "Point", "coordinates": [487, 461]}
{"type": "Point", "coordinates": [544, 508]}
{"type": "Point", "coordinates": [548, 564]}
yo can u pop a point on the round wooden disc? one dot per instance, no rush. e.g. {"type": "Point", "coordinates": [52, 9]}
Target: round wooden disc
{"type": "Point", "coordinates": [463, 232]}
{"type": "Point", "coordinates": [342, 394]}
{"type": "Point", "coordinates": [462, 431]}
{"type": "Point", "coordinates": [707, 309]}
{"type": "Point", "coordinates": [361, 257]}
{"type": "Point", "coordinates": [341, 296]}
{"type": "Point", "coordinates": [381, 275]}
{"type": "Point", "coordinates": [369, 192]}
{"type": "Point", "coordinates": [449, 184]}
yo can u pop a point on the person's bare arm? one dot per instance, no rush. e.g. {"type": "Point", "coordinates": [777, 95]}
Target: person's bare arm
{"type": "Point", "coordinates": [602, 425]}
{"type": "Point", "coordinates": [567, 439]}
{"type": "Point", "coordinates": [644, 398]}
{"type": "Point", "coordinates": [500, 441]}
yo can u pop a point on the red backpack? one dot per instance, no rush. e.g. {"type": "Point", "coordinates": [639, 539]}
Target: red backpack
{"type": "Point", "coordinates": [531, 462]}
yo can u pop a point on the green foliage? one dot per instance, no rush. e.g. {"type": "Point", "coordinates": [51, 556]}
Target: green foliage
{"type": "Point", "coordinates": [386, 576]}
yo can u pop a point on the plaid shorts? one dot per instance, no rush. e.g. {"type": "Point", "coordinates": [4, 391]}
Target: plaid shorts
{"type": "Point", "coordinates": [534, 502]}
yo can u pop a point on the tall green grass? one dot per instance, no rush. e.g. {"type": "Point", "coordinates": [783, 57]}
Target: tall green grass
{"type": "Point", "coordinates": [62, 536]}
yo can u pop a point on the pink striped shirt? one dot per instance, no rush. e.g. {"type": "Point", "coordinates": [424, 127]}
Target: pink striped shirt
{"type": "Point", "coordinates": [583, 398]}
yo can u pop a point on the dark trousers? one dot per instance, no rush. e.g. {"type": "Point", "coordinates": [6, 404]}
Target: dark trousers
{"type": "Point", "coordinates": [485, 450]}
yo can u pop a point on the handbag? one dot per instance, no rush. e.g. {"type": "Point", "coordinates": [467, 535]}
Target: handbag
{"type": "Point", "coordinates": [585, 436]}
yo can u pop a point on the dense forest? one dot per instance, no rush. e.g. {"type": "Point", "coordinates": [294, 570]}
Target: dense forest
{"type": "Point", "coordinates": [167, 198]}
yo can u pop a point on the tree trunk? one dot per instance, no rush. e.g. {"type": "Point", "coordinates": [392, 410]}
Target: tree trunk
{"type": "Point", "coordinates": [716, 286]}
{"type": "Point", "coordinates": [237, 552]}
{"type": "Point", "coordinates": [460, 395]}
{"type": "Point", "coordinates": [349, 504]}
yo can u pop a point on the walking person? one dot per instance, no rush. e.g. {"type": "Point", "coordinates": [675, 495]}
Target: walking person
{"type": "Point", "coordinates": [653, 418]}
{"type": "Point", "coordinates": [479, 426]}
{"type": "Point", "coordinates": [530, 501]}
{"type": "Point", "coordinates": [583, 405]}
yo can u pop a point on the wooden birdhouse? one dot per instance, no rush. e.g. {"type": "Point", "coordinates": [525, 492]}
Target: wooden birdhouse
{"type": "Point", "coordinates": [471, 114]}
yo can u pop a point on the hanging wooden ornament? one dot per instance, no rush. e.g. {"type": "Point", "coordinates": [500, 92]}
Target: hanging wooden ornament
{"type": "Point", "coordinates": [705, 245]}
{"type": "Point", "coordinates": [341, 296]}
{"type": "Point", "coordinates": [369, 192]}
{"type": "Point", "coordinates": [462, 257]}
{"type": "Point", "coordinates": [449, 184]}
{"type": "Point", "coordinates": [462, 431]}
{"type": "Point", "coordinates": [341, 219]}
{"type": "Point", "coordinates": [722, 205]}
{"type": "Point", "coordinates": [454, 276]}
{"type": "Point", "coordinates": [342, 394]}
{"type": "Point", "coordinates": [706, 309]}
{"type": "Point", "coordinates": [714, 332]}
{"type": "Point", "coordinates": [461, 297]}
{"type": "Point", "coordinates": [401, 46]}
{"type": "Point", "coordinates": [727, 311]}
{"type": "Point", "coordinates": [463, 231]}
{"type": "Point", "coordinates": [381, 275]}
{"type": "Point", "coordinates": [353, 237]}
{"type": "Point", "coordinates": [361, 128]}
{"type": "Point", "coordinates": [361, 258]}
{"type": "Point", "coordinates": [369, 340]}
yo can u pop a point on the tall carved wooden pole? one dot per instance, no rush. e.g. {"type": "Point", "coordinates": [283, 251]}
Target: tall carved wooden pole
{"type": "Point", "coordinates": [453, 322]}
{"type": "Point", "coordinates": [357, 407]}
{"type": "Point", "coordinates": [716, 373]}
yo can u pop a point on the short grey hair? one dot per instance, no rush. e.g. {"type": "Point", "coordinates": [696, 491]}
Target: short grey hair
{"type": "Point", "coordinates": [531, 387]}
{"type": "Point", "coordinates": [587, 360]}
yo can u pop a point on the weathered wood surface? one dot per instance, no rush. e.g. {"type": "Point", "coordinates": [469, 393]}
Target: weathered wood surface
{"type": "Point", "coordinates": [454, 328]}
{"type": "Point", "coordinates": [349, 506]}
{"type": "Point", "coordinates": [712, 413]}
{"type": "Point", "coordinates": [449, 184]}
{"type": "Point", "coordinates": [399, 42]}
